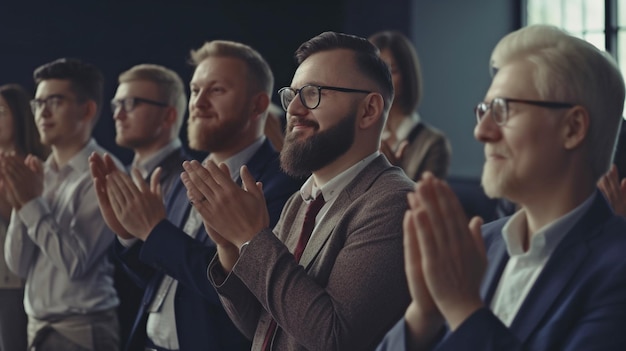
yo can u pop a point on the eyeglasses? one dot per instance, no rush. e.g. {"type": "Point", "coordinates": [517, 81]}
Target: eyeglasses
{"type": "Point", "coordinates": [310, 95]}
{"type": "Point", "coordinates": [500, 108]}
{"type": "Point", "coordinates": [129, 103]}
{"type": "Point", "coordinates": [52, 102]}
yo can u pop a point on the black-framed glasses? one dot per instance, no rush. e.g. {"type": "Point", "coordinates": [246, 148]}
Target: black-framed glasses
{"type": "Point", "coordinates": [310, 95]}
{"type": "Point", "coordinates": [129, 103]}
{"type": "Point", "coordinates": [52, 102]}
{"type": "Point", "coordinates": [500, 108]}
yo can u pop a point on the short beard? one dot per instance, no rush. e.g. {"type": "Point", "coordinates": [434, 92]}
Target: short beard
{"type": "Point", "coordinates": [214, 138]}
{"type": "Point", "coordinates": [301, 158]}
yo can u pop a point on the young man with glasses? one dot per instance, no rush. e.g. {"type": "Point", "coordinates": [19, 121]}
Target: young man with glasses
{"type": "Point", "coordinates": [330, 275]}
{"type": "Point", "coordinates": [148, 108]}
{"type": "Point", "coordinates": [230, 95]}
{"type": "Point", "coordinates": [57, 239]}
{"type": "Point", "coordinates": [553, 275]}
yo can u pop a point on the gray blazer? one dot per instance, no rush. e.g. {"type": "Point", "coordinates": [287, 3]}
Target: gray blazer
{"type": "Point", "coordinates": [349, 287]}
{"type": "Point", "coordinates": [428, 150]}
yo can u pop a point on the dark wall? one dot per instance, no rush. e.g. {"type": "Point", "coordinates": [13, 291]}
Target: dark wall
{"type": "Point", "coordinates": [454, 39]}
{"type": "Point", "coordinates": [116, 35]}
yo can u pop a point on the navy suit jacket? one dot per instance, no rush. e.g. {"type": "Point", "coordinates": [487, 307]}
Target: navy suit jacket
{"type": "Point", "coordinates": [201, 322]}
{"type": "Point", "coordinates": [577, 303]}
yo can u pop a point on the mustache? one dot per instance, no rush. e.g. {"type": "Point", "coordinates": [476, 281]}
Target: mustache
{"type": "Point", "coordinates": [301, 121]}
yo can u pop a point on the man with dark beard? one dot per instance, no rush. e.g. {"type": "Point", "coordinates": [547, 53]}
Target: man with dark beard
{"type": "Point", "coordinates": [230, 95]}
{"type": "Point", "coordinates": [330, 274]}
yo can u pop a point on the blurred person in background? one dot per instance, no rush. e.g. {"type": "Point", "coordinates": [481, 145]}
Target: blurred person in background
{"type": "Point", "coordinates": [19, 136]}
{"type": "Point", "coordinates": [408, 142]}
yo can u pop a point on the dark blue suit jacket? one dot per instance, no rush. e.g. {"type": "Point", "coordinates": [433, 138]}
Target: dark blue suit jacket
{"type": "Point", "coordinates": [577, 303]}
{"type": "Point", "coordinates": [202, 323]}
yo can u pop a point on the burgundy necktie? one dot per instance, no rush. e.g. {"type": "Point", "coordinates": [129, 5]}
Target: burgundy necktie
{"type": "Point", "coordinates": [307, 228]}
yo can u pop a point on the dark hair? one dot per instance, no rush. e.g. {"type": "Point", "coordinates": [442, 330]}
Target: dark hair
{"type": "Point", "coordinates": [86, 80]}
{"type": "Point", "coordinates": [25, 131]}
{"type": "Point", "coordinates": [408, 63]}
{"type": "Point", "coordinates": [366, 57]}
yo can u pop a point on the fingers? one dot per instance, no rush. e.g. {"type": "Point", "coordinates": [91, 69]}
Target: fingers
{"type": "Point", "coordinates": [193, 194]}
{"type": "Point", "coordinates": [139, 181]}
{"type": "Point", "coordinates": [120, 188]}
{"type": "Point", "coordinates": [96, 166]}
{"type": "Point", "coordinates": [109, 164]}
{"type": "Point", "coordinates": [411, 249]}
{"type": "Point", "coordinates": [250, 184]}
{"type": "Point", "coordinates": [201, 179]}
{"type": "Point", "coordinates": [437, 228]}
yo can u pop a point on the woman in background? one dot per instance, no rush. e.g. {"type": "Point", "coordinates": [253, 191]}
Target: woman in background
{"type": "Point", "coordinates": [19, 135]}
{"type": "Point", "coordinates": [407, 141]}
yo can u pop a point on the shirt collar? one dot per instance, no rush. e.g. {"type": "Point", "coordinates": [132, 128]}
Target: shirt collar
{"type": "Point", "coordinates": [333, 187]}
{"type": "Point", "coordinates": [545, 240]}
{"type": "Point", "coordinates": [239, 159]}
{"type": "Point", "coordinates": [148, 164]}
{"type": "Point", "coordinates": [78, 162]}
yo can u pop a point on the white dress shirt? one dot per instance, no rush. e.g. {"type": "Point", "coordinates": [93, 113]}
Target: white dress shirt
{"type": "Point", "coordinates": [58, 242]}
{"type": "Point", "coordinates": [523, 268]}
{"type": "Point", "coordinates": [161, 327]}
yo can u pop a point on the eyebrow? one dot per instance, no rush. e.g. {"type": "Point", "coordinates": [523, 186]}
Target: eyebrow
{"type": "Point", "coordinates": [51, 96]}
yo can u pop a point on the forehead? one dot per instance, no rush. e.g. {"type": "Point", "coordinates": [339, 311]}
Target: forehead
{"type": "Point", "coordinates": [514, 80]}
{"type": "Point", "coordinates": [332, 67]}
{"type": "Point", "coordinates": [54, 87]}
{"type": "Point", "coordinates": [220, 69]}
{"type": "Point", "coordinates": [137, 88]}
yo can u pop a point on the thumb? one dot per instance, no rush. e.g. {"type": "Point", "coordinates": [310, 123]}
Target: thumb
{"type": "Point", "coordinates": [249, 183]}
{"type": "Point", "coordinates": [138, 180]}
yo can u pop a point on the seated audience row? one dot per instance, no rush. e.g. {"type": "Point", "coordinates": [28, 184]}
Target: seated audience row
{"type": "Point", "coordinates": [325, 245]}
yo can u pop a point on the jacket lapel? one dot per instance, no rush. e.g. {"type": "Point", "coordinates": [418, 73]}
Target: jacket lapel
{"type": "Point", "coordinates": [323, 230]}
{"type": "Point", "coordinates": [498, 257]}
{"type": "Point", "coordinates": [260, 159]}
{"type": "Point", "coordinates": [560, 269]}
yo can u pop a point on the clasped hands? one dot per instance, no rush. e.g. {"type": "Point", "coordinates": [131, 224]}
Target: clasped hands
{"type": "Point", "coordinates": [130, 206]}
{"type": "Point", "coordinates": [445, 260]}
{"type": "Point", "coordinates": [21, 179]}
{"type": "Point", "coordinates": [232, 215]}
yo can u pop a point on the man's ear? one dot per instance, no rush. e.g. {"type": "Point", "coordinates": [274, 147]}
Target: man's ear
{"type": "Point", "coordinates": [170, 117]}
{"type": "Point", "coordinates": [260, 103]}
{"type": "Point", "coordinates": [575, 127]}
{"type": "Point", "coordinates": [91, 108]}
{"type": "Point", "coordinates": [371, 110]}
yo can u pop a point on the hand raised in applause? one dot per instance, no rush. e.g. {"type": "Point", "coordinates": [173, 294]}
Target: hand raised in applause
{"type": "Point", "coordinates": [422, 317]}
{"type": "Point", "coordinates": [99, 168]}
{"type": "Point", "coordinates": [452, 252]}
{"type": "Point", "coordinates": [23, 179]}
{"type": "Point", "coordinates": [137, 205]}
{"type": "Point", "coordinates": [232, 215]}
